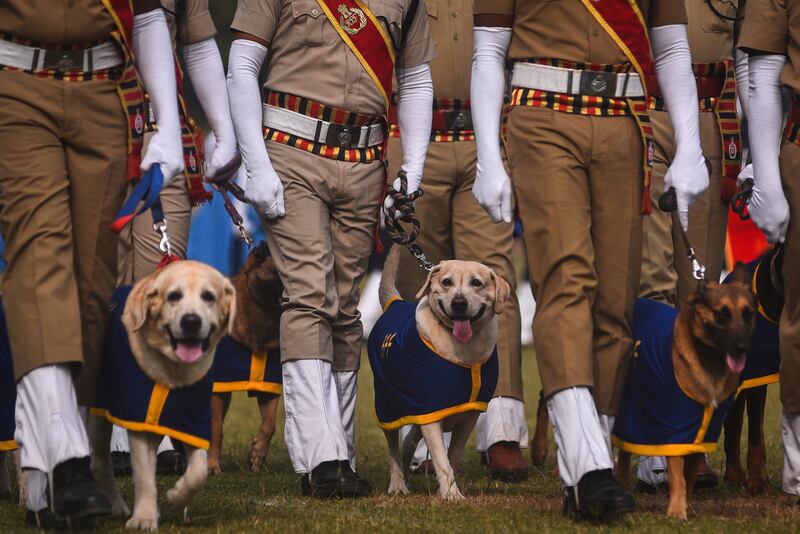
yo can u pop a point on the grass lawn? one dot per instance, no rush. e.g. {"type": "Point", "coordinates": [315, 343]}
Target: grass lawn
{"type": "Point", "coordinates": [269, 501]}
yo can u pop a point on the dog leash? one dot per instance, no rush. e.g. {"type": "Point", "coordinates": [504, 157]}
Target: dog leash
{"type": "Point", "coordinates": [404, 205]}
{"type": "Point", "coordinates": [741, 199]}
{"type": "Point", "coordinates": [668, 203]}
{"type": "Point", "coordinates": [224, 185]}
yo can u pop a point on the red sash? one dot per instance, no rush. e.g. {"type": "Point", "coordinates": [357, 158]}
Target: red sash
{"type": "Point", "coordinates": [130, 91]}
{"type": "Point", "coordinates": [193, 149]}
{"type": "Point", "coordinates": [366, 38]}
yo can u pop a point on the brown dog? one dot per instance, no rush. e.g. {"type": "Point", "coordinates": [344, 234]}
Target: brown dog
{"type": "Point", "coordinates": [258, 299]}
{"type": "Point", "coordinates": [711, 336]}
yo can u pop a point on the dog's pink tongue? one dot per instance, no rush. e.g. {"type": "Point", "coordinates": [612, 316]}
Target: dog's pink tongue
{"type": "Point", "coordinates": [189, 352]}
{"type": "Point", "coordinates": [462, 331]}
{"type": "Point", "coordinates": [736, 365]}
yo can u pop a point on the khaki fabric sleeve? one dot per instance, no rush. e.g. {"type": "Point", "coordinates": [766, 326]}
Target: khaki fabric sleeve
{"type": "Point", "coordinates": [666, 12]}
{"type": "Point", "coordinates": [195, 24]}
{"type": "Point", "coordinates": [493, 7]}
{"type": "Point", "coordinates": [257, 17]}
{"type": "Point", "coordinates": [765, 27]}
{"type": "Point", "coordinates": [419, 47]}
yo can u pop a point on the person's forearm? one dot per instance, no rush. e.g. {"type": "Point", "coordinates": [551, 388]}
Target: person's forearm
{"type": "Point", "coordinates": [488, 89]}
{"type": "Point", "coordinates": [414, 114]}
{"type": "Point", "coordinates": [204, 67]}
{"type": "Point", "coordinates": [764, 127]}
{"type": "Point", "coordinates": [742, 81]}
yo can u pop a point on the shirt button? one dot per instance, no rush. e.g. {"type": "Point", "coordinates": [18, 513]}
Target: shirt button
{"type": "Point", "coordinates": [351, 89]}
{"type": "Point", "coordinates": [456, 37]}
{"type": "Point", "coordinates": [454, 13]}
{"type": "Point", "coordinates": [315, 12]}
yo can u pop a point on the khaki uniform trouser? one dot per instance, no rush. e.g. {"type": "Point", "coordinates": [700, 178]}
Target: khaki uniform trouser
{"type": "Point", "coordinates": [790, 318]}
{"type": "Point", "coordinates": [455, 226]}
{"type": "Point", "coordinates": [666, 269]}
{"type": "Point", "coordinates": [578, 186]}
{"type": "Point", "coordinates": [138, 250]}
{"type": "Point", "coordinates": [321, 249]}
{"type": "Point", "coordinates": [63, 178]}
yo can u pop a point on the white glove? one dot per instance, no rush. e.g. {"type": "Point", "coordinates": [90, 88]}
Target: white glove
{"type": "Point", "coordinates": [414, 114]}
{"type": "Point", "coordinates": [747, 172]}
{"type": "Point", "coordinates": [492, 188]}
{"type": "Point", "coordinates": [204, 66]}
{"type": "Point", "coordinates": [262, 188]}
{"type": "Point", "coordinates": [768, 206]}
{"type": "Point", "coordinates": [688, 173]}
{"type": "Point", "coordinates": [152, 48]}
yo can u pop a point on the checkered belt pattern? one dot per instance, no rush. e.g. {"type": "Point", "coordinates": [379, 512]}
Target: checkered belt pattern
{"type": "Point", "coordinates": [594, 105]}
{"type": "Point", "coordinates": [451, 121]}
{"type": "Point", "coordinates": [328, 114]}
{"type": "Point", "coordinates": [716, 91]}
{"type": "Point", "coordinates": [124, 74]}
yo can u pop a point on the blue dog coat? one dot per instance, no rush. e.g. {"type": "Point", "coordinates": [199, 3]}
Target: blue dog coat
{"type": "Point", "coordinates": [656, 417]}
{"type": "Point", "coordinates": [237, 368]}
{"type": "Point", "coordinates": [413, 384]}
{"type": "Point", "coordinates": [129, 398]}
{"type": "Point", "coordinates": [764, 357]}
{"type": "Point", "coordinates": [8, 389]}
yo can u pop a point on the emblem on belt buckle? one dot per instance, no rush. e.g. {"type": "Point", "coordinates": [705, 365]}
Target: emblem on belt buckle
{"type": "Point", "coordinates": [352, 20]}
{"type": "Point", "coordinates": [598, 85]}
{"type": "Point", "coordinates": [460, 121]}
{"type": "Point", "coordinates": [345, 138]}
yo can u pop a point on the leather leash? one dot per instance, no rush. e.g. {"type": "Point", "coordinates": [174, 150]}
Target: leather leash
{"type": "Point", "coordinates": [668, 202]}
{"type": "Point", "coordinates": [223, 183]}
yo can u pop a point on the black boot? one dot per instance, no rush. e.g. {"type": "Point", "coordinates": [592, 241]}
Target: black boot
{"type": "Point", "coordinates": [334, 479]}
{"type": "Point", "coordinates": [74, 494]}
{"type": "Point", "coordinates": [45, 520]}
{"type": "Point", "coordinates": [598, 497]}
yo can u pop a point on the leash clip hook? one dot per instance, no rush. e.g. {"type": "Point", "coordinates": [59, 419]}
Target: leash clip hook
{"type": "Point", "coordinates": [164, 245]}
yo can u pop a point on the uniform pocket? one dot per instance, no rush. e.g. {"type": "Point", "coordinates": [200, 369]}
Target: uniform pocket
{"type": "Point", "coordinates": [711, 22]}
{"type": "Point", "coordinates": [311, 25]}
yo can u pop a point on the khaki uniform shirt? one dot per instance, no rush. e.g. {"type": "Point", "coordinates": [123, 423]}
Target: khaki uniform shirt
{"type": "Point", "coordinates": [773, 26]}
{"type": "Point", "coordinates": [56, 21]}
{"type": "Point", "coordinates": [194, 24]}
{"type": "Point", "coordinates": [566, 30]}
{"type": "Point", "coordinates": [711, 36]}
{"type": "Point", "coordinates": [451, 27]}
{"type": "Point", "coordinates": [308, 58]}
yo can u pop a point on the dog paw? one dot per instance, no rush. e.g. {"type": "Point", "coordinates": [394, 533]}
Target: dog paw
{"type": "Point", "coordinates": [757, 486]}
{"type": "Point", "coordinates": [145, 524]}
{"type": "Point", "coordinates": [398, 488]}
{"type": "Point", "coordinates": [258, 453]}
{"type": "Point", "coordinates": [452, 495]}
{"type": "Point", "coordinates": [178, 498]}
{"type": "Point", "coordinates": [119, 508]}
{"type": "Point", "coordinates": [734, 476]}
{"type": "Point", "coordinates": [677, 512]}
{"type": "Point", "coordinates": [214, 468]}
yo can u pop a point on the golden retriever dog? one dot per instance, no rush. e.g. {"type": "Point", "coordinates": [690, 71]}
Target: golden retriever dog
{"type": "Point", "coordinates": [435, 363]}
{"type": "Point", "coordinates": [174, 320]}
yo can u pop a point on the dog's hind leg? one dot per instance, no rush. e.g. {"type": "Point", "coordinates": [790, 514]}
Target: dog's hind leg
{"type": "Point", "coordinates": [397, 479]}
{"type": "Point", "coordinates": [460, 435]}
{"type": "Point", "coordinates": [145, 494]}
{"type": "Point", "coordinates": [5, 480]}
{"type": "Point", "coordinates": [677, 487]}
{"type": "Point", "coordinates": [181, 495]}
{"type": "Point", "coordinates": [540, 442]}
{"type": "Point", "coordinates": [22, 478]}
{"type": "Point", "coordinates": [102, 470]}
{"type": "Point", "coordinates": [259, 447]}
{"type": "Point", "coordinates": [734, 474]}
{"type": "Point", "coordinates": [434, 439]}
{"type": "Point", "coordinates": [623, 470]}
{"type": "Point", "coordinates": [409, 446]}
{"type": "Point", "coordinates": [220, 402]}
{"type": "Point", "coordinates": [756, 448]}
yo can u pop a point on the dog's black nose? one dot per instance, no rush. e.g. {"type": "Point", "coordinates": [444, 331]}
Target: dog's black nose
{"type": "Point", "coordinates": [191, 323]}
{"type": "Point", "coordinates": [459, 305]}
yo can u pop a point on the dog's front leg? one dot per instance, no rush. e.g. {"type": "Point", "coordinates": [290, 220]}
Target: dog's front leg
{"type": "Point", "coordinates": [397, 480]}
{"type": "Point", "coordinates": [623, 471]}
{"type": "Point", "coordinates": [677, 487]}
{"type": "Point", "coordinates": [434, 438]}
{"type": "Point", "coordinates": [5, 480]}
{"type": "Point", "coordinates": [409, 447]}
{"type": "Point", "coordinates": [734, 474]}
{"type": "Point", "coordinates": [145, 494]}
{"type": "Point", "coordinates": [540, 442]}
{"type": "Point", "coordinates": [259, 447]}
{"type": "Point", "coordinates": [181, 495]}
{"type": "Point", "coordinates": [219, 407]}
{"type": "Point", "coordinates": [22, 478]}
{"type": "Point", "coordinates": [756, 448]}
{"type": "Point", "coordinates": [102, 470]}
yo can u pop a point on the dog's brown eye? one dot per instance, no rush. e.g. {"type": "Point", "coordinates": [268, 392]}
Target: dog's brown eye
{"type": "Point", "coordinates": [476, 283]}
{"type": "Point", "coordinates": [446, 282]}
{"type": "Point", "coordinates": [174, 296]}
{"type": "Point", "coordinates": [723, 315]}
{"type": "Point", "coordinates": [208, 296]}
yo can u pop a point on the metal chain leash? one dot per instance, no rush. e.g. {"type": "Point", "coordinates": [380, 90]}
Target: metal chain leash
{"type": "Point", "coordinates": [668, 202]}
{"type": "Point", "coordinates": [402, 210]}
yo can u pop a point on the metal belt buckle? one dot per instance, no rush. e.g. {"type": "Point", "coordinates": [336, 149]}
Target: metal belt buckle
{"type": "Point", "coordinates": [343, 136]}
{"type": "Point", "coordinates": [457, 121]}
{"type": "Point", "coordinates": [63, 60]}
{"type": "Point", "coordinates": [598, 83]}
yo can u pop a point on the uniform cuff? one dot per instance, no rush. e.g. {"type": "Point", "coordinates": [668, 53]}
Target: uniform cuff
{"type": "Point", "coordinates": [198, 28]}
{"type": "Point", "coordinates": [252, 22]}
{"type": "Point", "coordinates": [763, 38]}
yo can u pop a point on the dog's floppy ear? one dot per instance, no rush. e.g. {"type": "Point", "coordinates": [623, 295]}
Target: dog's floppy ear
{"type": "Point", "coordinates": [229, 304]}
{"type": "Point", "coordinates": [501, 292]}
{"type": "Point", "coordinates": [137, 307]}
{"type": "Point", "coordinates": [740, 274]}
{"type": "Point", "coordinates": [421, 293]}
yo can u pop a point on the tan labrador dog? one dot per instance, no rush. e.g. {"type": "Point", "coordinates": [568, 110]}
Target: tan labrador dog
{"type": "Point", "coordinates": [174, 319]}
{"type": "Point", "coordinates": [457, 313]}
